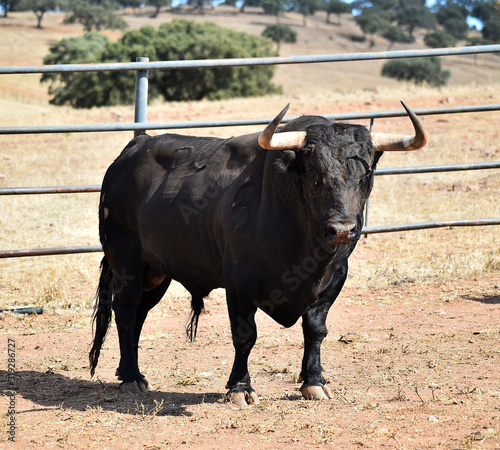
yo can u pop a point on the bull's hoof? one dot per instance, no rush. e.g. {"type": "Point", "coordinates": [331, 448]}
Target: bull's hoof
{"type": "Point", "coordinates": [316, 392]}
{"type": "Point", "coordinates": [130, 388]}
{"type": "Point", "coordinates": [119, 375]}
{"type": "Point", "coordinates": [242, 396]}
{"type": "Point", "coordinates": [144, 385]}
{"type": "Point", "coordinates": [134, 387]}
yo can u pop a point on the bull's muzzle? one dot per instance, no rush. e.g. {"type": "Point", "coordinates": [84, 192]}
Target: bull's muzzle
{"type": "Point", "coordinates": [342, 233]}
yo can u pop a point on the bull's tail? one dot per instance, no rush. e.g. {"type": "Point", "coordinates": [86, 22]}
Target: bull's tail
{"type": "Point", "coordinates": [197, 307]}
{"type": "Point", "coordinates": [102, 313]}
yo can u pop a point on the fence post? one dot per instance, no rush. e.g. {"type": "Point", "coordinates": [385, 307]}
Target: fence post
{"type": "Point", "coordinates": [367, 207]}
{"type": "Point", "coordinates": [141, 95]}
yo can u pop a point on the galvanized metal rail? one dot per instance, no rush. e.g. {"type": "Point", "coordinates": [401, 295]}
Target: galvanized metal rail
{"type": "Point", "coordinates": [427, 225]}
{"type": "Point", "coordinates": [235, 62]}
{"type": "Point", "coordinates": [49, 251]}
{"type": "Point", "coordinates": [135, 126]}
{"type": "Point", "coordinates": [50, 189]}
{"type": "Point", "coordinates": [438, 168]}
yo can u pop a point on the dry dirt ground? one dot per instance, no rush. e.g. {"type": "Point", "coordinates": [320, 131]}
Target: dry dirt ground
{"type": "Point", "coordinates": [411, 366]}
{"type": "Point", "coordinates": [413, 352]}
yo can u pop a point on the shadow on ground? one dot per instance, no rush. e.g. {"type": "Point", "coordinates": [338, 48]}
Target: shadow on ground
{"type": "Point", "coordinates": [52, 390]}
{"type": "Point", "coordinates": [486, 299]}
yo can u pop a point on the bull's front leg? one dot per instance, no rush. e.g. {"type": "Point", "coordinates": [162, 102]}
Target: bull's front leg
{"type": "Point", "coordinates": [244, 334]}
{"type": "Point", "coordinates": [314, 328]}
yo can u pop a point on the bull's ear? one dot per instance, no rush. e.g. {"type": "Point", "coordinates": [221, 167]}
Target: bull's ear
{"type": "Point", "coordinates": [383, 142]}
{"type": "Point", "coordinates": [290, 140]}
{"type": "Point", "coordinates": [286, 161]}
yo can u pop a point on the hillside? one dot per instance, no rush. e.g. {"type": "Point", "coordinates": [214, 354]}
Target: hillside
{"type": "Point", "coordinates": [22, 44]}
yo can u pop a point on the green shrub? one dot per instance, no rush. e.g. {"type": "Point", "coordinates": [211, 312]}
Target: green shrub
{"type": "Point", "coordinates": [417, 70]}
{"type": "Point", "coordinates": [396, 34]}
{"type": "Point", "coordinates": [439, 39]}
{"type": "Point", "coordinates": [280, 33]}
{"type": "Point", "coordinates": [177, 40]}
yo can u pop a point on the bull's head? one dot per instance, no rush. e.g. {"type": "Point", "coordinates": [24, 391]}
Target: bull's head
{"type": "Point", "coordinates": [336, 164]}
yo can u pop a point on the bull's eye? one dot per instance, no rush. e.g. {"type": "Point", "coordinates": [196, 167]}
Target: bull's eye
{"type": "Point", "coordinates": [367, 175]}
{"type": "Point", "coordinates": [360, 167]}
{"type": "Point", "coordinates": [315, 181]}
{"type": "Point", "coordinates": [314, 176]}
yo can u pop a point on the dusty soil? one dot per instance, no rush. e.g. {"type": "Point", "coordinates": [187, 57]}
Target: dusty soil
{"type": "Point", "coordinates": [411, 366]}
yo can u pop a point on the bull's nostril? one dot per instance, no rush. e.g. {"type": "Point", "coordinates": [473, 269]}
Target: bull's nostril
{"type": "Point", "coordinates": [342, 232]}
{"type": "Point", "coordinates": [332, 230]}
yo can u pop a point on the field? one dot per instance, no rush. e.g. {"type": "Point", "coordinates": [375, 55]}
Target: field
{"type": "Point", "coordinates": [413, 351]}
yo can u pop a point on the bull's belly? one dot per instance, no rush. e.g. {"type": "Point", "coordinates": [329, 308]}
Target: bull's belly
{"type": "Point", "coordinates": [187, 267]}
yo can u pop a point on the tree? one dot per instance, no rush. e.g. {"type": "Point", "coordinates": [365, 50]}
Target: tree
{"type": "Point", "coordinates": [182, 39]}
{"type": "Point", "coordinates": [94, 17]}
{"type": "Point", "coordinates": [79, 89]}
{"type": "Point", "coordinates": [246, 3]}
{"type": "Point", "coordinates": [134, 4]}
{"type": "Point", "coordinates": [453, 18]}
{"type": "Point", "coordinates": [8, 5]}
{"type": "Point", "coordinates": [158, 4]}
{"type": "Point", "coordinates": [386, 9]}
{"type": "Point", "coordinates": [280, 33]}
{"type": "Point", "coordinates": [306, 8]}
{"type": "Point", "coordinates": [476, 40]}
{"type": "Point", "coordinates": [439, 39]}
{"type": "Point", "coordinates": [176, 40]}
{"type": "Point", "coordinates": [396, 34]}
{"type": "Point", "coordinates": [337, 7]}
{"type": "Point", "coordinates": [491, 30]}
{"type": "Point", "coordinates": [371, 24]}
{"type": "Point", "coordinates": [40, 7]}
{"type": "Point", "coordinates": [484, 10]}
{"type": "Point", "coordinates": [273, 7]}
{"type": "Point", "coordinates": [457, 28]}
{"type": "Point", "coordinates": [417, 70]}
{"type": "Point", "coordinates": [413, 14]}
{"type": "Point", "coordinates": [488, 12]}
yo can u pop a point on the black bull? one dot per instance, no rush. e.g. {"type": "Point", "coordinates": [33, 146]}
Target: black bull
{"type": "Point", "coordinates": [272, 218]}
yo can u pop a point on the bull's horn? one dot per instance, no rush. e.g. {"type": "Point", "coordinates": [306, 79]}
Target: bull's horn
{"type": "Point", "coordinates": [383, 142]}
{"type": "Point", "coordinates": [290, 140]}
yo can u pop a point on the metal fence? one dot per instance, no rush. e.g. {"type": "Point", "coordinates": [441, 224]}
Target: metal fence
{"type": "Point", "coordinates": [142, 66]}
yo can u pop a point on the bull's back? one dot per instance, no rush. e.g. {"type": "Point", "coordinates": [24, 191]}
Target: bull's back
{"type": "Point", "coordinates": [165, 193]}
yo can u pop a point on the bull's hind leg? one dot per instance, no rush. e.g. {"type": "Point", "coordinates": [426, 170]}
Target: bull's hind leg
{"type": "Point", "coordinates": [315, 331]}
{"type": "Point", "coordinates": [149, 299]}
{"type": "Point", "coordinates": [125, 260]}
